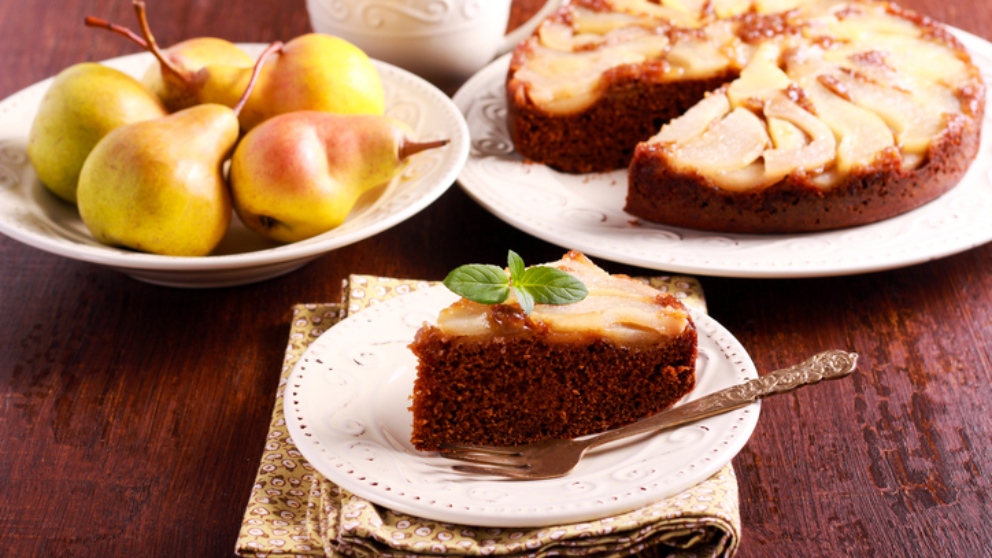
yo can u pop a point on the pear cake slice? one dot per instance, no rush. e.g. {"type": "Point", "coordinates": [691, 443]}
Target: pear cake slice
{"type": "Point", "coordinates": [806, 115]}
{"type": "Point", "coordinates": [491, 374]}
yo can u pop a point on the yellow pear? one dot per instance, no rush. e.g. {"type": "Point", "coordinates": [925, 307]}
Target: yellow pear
{"type": "Point", "coordinates": [300, 174]}
{"type": "Point", "coordinates": [157, 186]}
{"type": "Point", "coordinates": [192, 56]}
{"type": "Point", "coordinates": [311, 72]}
{"type": "Point", "coordinates": [83, 104]}
{"type": "Point", "coordinates": [178, 73]}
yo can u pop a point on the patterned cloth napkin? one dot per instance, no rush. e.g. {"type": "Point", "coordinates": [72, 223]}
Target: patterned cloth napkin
{"type": "Point", "coordinates": [294, 511]}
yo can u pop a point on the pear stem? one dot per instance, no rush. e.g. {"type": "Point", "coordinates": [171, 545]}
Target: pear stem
{"type": "Point", "coordinates": [274, 47]}
{"type": "Point", "coordinates": [146, 31]}
{"type": "Point", "coordinates": [119, 29]}
{"type": "Point", "coordinates": [147, 41]}
{"type": "Point", "coordinates": [409, 148]}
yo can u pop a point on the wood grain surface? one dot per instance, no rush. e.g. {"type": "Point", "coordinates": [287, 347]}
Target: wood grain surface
{"type": "Point", "coordinates": [133, 416]}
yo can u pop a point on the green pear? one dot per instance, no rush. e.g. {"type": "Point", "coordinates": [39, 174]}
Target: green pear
{"type": "Point", "coordinates": [299, 174]}
{"type": "Point", "coordinates": [312, 72]}
{"type": "Point", "coordinates": [178, 78]}
{"type": "Point", "coordinates": [158, 186]}
{"type": "Point", "coordinates": [83, 104]}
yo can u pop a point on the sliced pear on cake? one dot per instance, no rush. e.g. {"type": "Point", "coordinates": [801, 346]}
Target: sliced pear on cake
{"type": "Point", "coordinates": [697, 57]}
{"type": "Point", "coordinates": [914, 120]}
{"type": "Point", "coordinates": [556, 35]}
{"type": "Point", "coordinates": [587, 30]}
{"type": "Point", "coordinates": [694, 121]}
{"type": "Point", "coordinates": [868, 22]}
{"type": "Point", "coordinates": [761, 79]}
{"type": "Point", "coordinates": [726, 150]}
{"type": "Point", "coordinates": [658, 11]}
{"type": "Point", "coordinates": [730, 8]}
{"type": "Point", "coordinates": [567, 82]}
{"type": "Point", "coordinates": [929, 60]}
{"type": "Point", "coordinates": [750, 178]}
{"type": "Point", "coordinates": [691, 7]}
{"type": "Point", "coordinates": [785, 135]}
{"type": "Point", "coordinates": [776, 6]}
{"type": "Point", "coordinates": [586, 21]}
{"type": "Point", "coordinates": [731, 144]}
{"type": "Point", "coordinates": [788, 155]}
{"type": "Point", "coordinates": [862, 135]}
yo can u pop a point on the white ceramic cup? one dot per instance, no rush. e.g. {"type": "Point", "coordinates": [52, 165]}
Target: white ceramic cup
{"type": "Point", "coordinates": [444, 41]}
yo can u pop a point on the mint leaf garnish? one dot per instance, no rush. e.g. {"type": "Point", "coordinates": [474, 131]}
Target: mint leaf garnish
{"type": "Point", "coordinates": [488, 284]}
{"type": "Point", "coordinates": [515, 264]}
{"type": "Point", "coordinates": [525, 299]}
{"type": "Point", "coordinates": [485, 284]}
{"type": "Point", "coordinates": [549, 285]}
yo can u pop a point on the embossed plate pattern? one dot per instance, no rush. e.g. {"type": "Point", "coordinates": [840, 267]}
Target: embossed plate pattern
{"type": "Point", "coordinates": [347, 405]}
{"type": "Point", "coordinates": [585, 212]}
{"type": "Point", "coordinates": [30, 214]}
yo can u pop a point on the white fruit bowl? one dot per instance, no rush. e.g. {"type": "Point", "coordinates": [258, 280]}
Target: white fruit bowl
{"type": "Point", "coordinates": [32, 215]}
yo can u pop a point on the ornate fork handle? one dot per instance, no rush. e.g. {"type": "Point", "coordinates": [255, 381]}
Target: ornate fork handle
{"type": "Point", "coordinates": [828, 365]}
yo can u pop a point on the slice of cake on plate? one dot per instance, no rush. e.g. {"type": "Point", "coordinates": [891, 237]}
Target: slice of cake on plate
{"type": "Point", "coordinates": [509, 373]}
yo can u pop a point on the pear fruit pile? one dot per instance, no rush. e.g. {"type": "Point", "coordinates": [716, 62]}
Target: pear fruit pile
{"type": "Point", "coordinates": [311, 72]}
{"type": "Point", "coordinates": [158, 185]}
{"type": "Point", "coordinates": [303, 128]}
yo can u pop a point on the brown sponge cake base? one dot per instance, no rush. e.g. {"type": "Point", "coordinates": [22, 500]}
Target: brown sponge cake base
{"type": "Point", "coordinates": [505, 391]}
{"type": "Point", "coordinates": [659, 193]}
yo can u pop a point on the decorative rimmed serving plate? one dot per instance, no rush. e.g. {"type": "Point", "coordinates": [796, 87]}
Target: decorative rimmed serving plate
{"type": "Point", "coordinates": [346, 406]}
{"type": "Point", "coordinates": [585, 212]}
{"type": "Point", "coordinates": [30, 214]}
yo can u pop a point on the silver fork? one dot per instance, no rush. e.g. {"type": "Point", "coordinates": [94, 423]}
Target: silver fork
{"type": "Point", "coordinates": [555, 458]}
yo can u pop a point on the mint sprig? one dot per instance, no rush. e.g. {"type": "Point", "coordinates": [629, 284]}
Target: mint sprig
{"type": "Point", "coordinates": [541, 284]}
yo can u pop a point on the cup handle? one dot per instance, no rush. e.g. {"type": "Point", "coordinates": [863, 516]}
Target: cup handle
{"type": "Point", "coordinates": [520, 33]}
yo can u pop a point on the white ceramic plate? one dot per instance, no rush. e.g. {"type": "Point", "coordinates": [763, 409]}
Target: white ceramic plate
{"type": "Point", "coordinates": [347, 410]}
{"type": "Point", "coordinates": [30, 214]}
{"type": "Point", "coordinates": [585, 212]}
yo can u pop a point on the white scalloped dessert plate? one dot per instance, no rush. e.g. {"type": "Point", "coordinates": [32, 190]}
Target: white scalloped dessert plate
{"type": "Point", "coordinates": [346, 406]}
{"type": "Point", "coordinates": [585, 212]}
{"type": "Point", "coordinates": [30, 214]}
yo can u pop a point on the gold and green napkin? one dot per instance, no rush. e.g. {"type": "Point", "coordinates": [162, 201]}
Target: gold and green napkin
{"type": "Point", "coordinates": [294, 511]}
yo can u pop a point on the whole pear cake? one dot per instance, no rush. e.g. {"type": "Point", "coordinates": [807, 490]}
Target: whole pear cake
{"type": "Point", "coordinates": [515, 372]}
{"type": "Point", "coordinates": [763, 116]}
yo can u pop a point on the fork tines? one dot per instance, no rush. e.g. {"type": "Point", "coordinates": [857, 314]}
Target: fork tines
{"type": "Point", "coordinates": [502, 457]}
{"type": "Point", "coordinates": [500, 471]}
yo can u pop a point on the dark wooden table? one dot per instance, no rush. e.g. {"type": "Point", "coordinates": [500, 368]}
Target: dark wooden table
{"type": "Point", "coordinates": [133, 416]}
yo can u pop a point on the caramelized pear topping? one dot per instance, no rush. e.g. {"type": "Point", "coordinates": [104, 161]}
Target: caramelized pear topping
{"type": "Point", "coordinates": [617, 307]}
